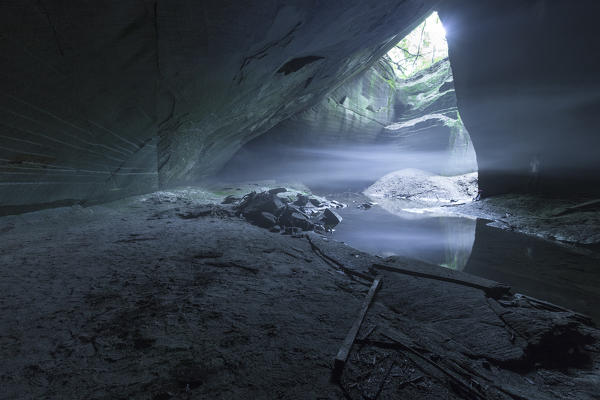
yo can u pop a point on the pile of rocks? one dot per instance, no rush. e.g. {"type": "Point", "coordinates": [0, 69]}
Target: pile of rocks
{"type": "Point", "coordinates": [288, 214]}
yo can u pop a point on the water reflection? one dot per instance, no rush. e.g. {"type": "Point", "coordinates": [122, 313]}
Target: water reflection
{"type": "Point", "coordinates": [565, 276]}
{"type": "Point", "coordinates": [549, 271]}
{"type": "Point", "coordinates": [441, 240]}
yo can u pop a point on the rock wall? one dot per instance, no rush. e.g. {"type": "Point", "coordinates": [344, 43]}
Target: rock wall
{"type": "Point", "coordinates": [528, 88]}
{"type": "Point", "coordinates": [323, 145]}
{"type": "Point", "coordinates": [108, 98]}
{"type": "Point", "coordinates": [430, 123]}
{"type": "Point", "coordinates": [376, 122]}
{"type": "Point", "coordinates": [104, 99]}
{"type": "Point", "coordinates": [356, 112]}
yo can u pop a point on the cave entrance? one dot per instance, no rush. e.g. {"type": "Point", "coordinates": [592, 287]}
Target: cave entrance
{"type": "Point", "coordinates": [421, 48]}
{"type": "Point", "coordinates": [391, 136]}
{"type": "Point", "coordinates": [439, 162]}
{"type": "Point", "coordinates": [433, 159]}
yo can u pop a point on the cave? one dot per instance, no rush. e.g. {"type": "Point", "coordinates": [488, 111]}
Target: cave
{"type": "Point", "coordinates": [299, 199]}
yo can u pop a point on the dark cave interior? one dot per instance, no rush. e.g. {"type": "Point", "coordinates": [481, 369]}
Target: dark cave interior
{"type": "Point", "coordinates": [299, 199]}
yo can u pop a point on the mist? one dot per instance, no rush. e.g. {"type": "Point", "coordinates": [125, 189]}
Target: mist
{"type": "Point", "coordinates": [334, 167]}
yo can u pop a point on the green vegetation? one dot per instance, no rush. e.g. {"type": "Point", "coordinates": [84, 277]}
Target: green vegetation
{"type": "Point", "coordinates": [421, 93]}
{"type": "Point", "coordinates": [421, 48]}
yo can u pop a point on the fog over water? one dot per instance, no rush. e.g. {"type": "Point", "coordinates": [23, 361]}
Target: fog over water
{"type": "Point", "coordinates": [441, 240]}
{"type": "Point", "coordinates": [336, 167]}
{"type": "Point", "coordinates": [342, 173]}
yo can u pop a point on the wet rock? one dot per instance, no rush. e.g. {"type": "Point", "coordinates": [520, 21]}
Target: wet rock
{"type": "Point", "coordinates": [278, 190]}
{"type": "Point", "coordinates": [294, 217]}
{"type": "Point", "coordinates": [555, 341]}
{"type": "Point", "coordinates": [292, 230]}
{"type": "Point", "coordinates": [275, 228]}
{"type": "Point", "coordinates": [315, 202]}
{"type": "Point", "coordinates": [230, 199]}
{"type": "Point", "coordinates": [448, 85]}
{"type": "Point", "coordinates": [301, 201]}
{"type": "Point", "coordinates": [365, 206]}
{"type": "Point", "coordinates": [263, 219]}
{"type": "Point", "coordinates": [268, 210]}
{"type": "Point", "coordinates": [336, 204]}
{"type": "Point", "coordinates": [255, 203]}
{"type": "Point", "coordinates": [330, 218]}
{"type": "Point", "coordinates": [319, 228]}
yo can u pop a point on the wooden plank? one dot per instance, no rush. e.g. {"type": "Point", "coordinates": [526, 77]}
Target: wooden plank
{"type": "Point", "coordinates": [342, 355]}
{"type": "Point", "coordinates": [491, 288]}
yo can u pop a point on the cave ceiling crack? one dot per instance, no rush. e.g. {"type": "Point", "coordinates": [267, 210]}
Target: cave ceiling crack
{"type": "Point", "coordinates": [357, 113]}
{"type": "Point", "coordinates": [44, 10]}
{"type": "Point", "coordinates": [263, 52]}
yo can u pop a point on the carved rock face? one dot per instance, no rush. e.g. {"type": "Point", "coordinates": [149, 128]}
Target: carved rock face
{"type": "Point", "coordinates": [127, 96]}
{"type": "Point", "coordinates": [520, 99]}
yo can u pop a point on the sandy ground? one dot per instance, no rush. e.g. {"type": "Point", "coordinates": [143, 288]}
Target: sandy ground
{"type": "Point", "coordinates": [168, 296]}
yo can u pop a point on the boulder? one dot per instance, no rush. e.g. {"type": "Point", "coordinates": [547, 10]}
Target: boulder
{"type": "Point", "coordinates": [330, 218]}
{"type": "Point", "coordinates": [301, 201]}
{"type": "Point", "coordinates": [254, 204]}
{"type": "Point", "coordinates": [292, 230]}
{"type": "Point", "coordinates": [294, 217]}
{"type": "Point", "coordinates": [337, 204]}
{"type": "Point", "coordinates": [315, 202]}
{"type": "Point", "coordinates": [278, 190]}
{"type": "Point", "coordinates": [319, 228]}
{"type": "Point", "coordinates": [275, 228]}
{"type": "Point", "coordinates": [230, 199]}
{"type": "Point", "coordinates": [365, 206]}
{"type": "Point", "coordinates": [268, 210]}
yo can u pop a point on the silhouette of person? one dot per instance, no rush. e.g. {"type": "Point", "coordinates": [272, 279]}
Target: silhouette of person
{"type": "Point", "coordinates": [534, 174]}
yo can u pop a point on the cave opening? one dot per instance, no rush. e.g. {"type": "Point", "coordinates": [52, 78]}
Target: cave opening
{"type": "Point", "coordinates": [422, 47]}
{"type": "Point", "coordinates": [390, 140]}
{"type": "Point", "coordinates": [299, 199]}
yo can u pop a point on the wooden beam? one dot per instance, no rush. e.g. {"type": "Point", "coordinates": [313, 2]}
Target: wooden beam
{"type": "Point", "coordinates": [342, 355]}
{"type": "Point", "coordinates": [491, 288]}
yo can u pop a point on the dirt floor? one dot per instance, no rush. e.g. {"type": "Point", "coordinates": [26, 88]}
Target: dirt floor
{"type": "Point", "coordinates": [170, 296]}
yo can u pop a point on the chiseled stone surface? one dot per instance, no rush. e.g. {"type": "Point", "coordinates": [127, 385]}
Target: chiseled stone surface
{"type": "Point", "coordinates": [106, 98]}
{"type": "Point", "coordinates": [376, 112]}
{"type": "Point", "coordinates": [521, 98]}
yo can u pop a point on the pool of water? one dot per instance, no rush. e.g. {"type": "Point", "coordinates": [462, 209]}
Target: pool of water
{"type": "Point", "coordinates": [536, 267]}
{"type": "Point", "coordinates": [444, 240]}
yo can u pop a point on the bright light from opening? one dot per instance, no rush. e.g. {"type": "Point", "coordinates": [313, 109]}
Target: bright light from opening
{"type": "Point", "coordinates": [437, 31]}
{"type": "Point", "coordinates": [425, 45]}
